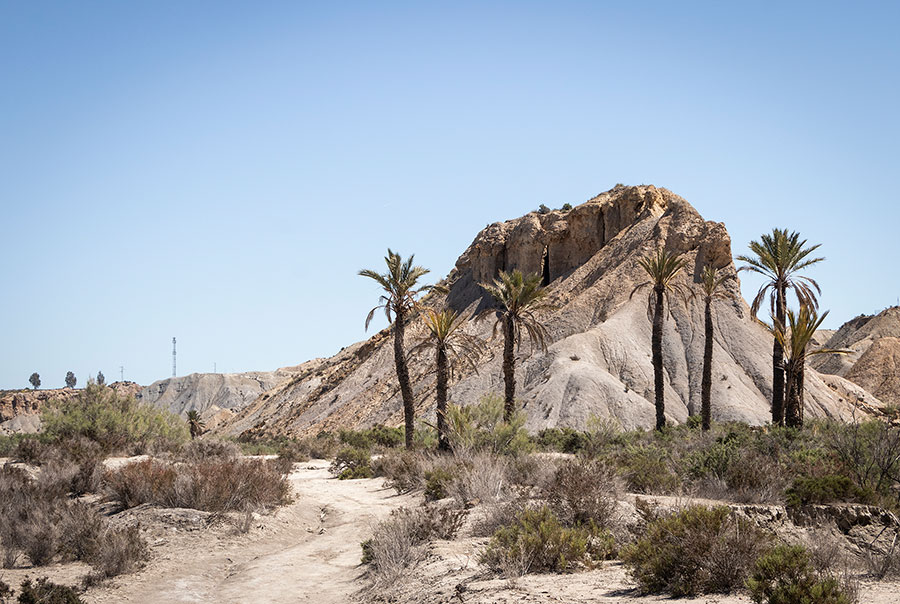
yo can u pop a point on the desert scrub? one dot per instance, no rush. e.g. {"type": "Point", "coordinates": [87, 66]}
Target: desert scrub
{"type": "Point", "coordinates": [698, 550]}
{"type": "Point", "coordinates": [46, 527]}
{"type": "Point", "coordinates": [480, 427]}
{"type": "Point", "coordinates": [396, 542]}
{"type": "Point", "coordinates": [537, 542]}
{"type": "Point", "coordinates": [352, 463]}
{"type": "Point", "coordinates": [826, 489]}
{"type": "Point", "coordinates": [117, 423]}
{"type": "Point", "coordinates": [214, 485]}
{"type": "Point", "coordinates": [648, 469]}
{"type": "Point", "coordinates": [583, 492]}
{"type": "Point", "coordinates": [44, 591]}
{"type": "Point", "coordinates": [786, 575]}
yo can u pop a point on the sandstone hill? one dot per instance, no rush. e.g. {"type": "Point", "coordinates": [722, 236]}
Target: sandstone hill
{"type": "Point", "coordinates": [214, 395]}
{"type": "Point", "coordinates": [875, 362]}
{"type": "Point", "coordinates": [598, 362]}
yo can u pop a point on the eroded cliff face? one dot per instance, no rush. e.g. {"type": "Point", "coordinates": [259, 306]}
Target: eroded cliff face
{"type": "Point", "coordinates": [598, 362]}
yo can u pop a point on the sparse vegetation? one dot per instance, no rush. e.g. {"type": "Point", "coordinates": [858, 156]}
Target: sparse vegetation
{"type": "Point", "coordinates": [212, 485]}
{"type": "Point", "coordinates": [698, 550]}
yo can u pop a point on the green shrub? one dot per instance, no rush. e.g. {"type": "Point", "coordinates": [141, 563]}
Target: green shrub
{"type": "Point", "coordinates": [647, 469]}
{"type": "Point", "coordinates": [43, 591]}
{"type": "Point", "coordinates": [480, 427]}
{"type": "Point", "coordinates": [437, 482]}
{"type": "Point", "coordinates": [352, 463]}
{"type": "Point", "coordinates": [785, 575]}
{"type": "Point", "coordinates": [698, 550]}
{"type": "Point", "coordinates": [542, 544]}
{"type": "Point", "coordinates": [563, 440]}
{"type": "Point", "coordinates": [826, 489]}
{"type": "Point", "coordinates": [117, 423]}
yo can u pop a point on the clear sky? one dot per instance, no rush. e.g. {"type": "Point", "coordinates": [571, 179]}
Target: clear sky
{"type": "Point", "coordinates": [219, 171]}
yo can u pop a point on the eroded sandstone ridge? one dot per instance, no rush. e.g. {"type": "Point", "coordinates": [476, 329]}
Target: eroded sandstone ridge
{"type": "Point", "coordinates": [598, 363]}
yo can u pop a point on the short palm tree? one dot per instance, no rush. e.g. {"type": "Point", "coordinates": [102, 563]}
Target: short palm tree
{"type": "Point", "coordinates": [662, 268]}
{"type": "Point", "coordinates": [453, 349]}
{"type": "Point", "coordinates": [711, 286]}
{"type": "Point", "coordinates": [401, 292]}
{"type": "Point", "coordinates": [779, 258]}
{"type": "Point", "coordinates": [801, 327]}
{"type": "Point", "coordinates": [518, 298]}
{"type": "Point", "coordinates": [195, 424]}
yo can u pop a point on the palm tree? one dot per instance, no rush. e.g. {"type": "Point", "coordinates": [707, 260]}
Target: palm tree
{"type": "Point", "coordinates": [778, 258]}
{"type": "Point", "coordinates": [803, 325]}
{"type": "Point", "coordinates": [453, 348]}
{"type": "Point", "coordinates": [518, 298]}
{"type": "Point", "coordinates": [711, 286]}
{"type": "Point", "coordinates": [662, 268]}
{"type": "Point", "coordinates": [195, 424]}
{"type": "Point", "coordinates": [401, 292]}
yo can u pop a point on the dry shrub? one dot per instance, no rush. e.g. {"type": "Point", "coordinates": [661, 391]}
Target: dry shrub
{"type": "Point", "coordinates": [497, 515]}
{"type": "Point", "coordinates": [786, 574]}
{"type": "Point", "coordinates": [882, 561]}
{"type": "Point", "coordinates": [202, 449]}
{"type": "Point", "coordinates": [403, 470]}
{"type": "Point", "coordinates": [215, 485]}
{"type": "Point", "coordinates": [396, 542]}
{"type": "Point", "coordinates": [585, 491]}
{"type": "Point", "coordinates": [46, 527]}
{"type": "Point", "coordinates": [481, 479]}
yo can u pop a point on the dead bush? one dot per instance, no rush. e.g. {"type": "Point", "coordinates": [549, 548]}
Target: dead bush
{"type": "Point", "coordinates": [585, 491]}
{"type": "Point", "coordinates": [396, 543]}
{"type": "Point", "coordinates": [119, 551]}
{"type": "Point", "coordinates": [215, 485]}
{"type": "Point", "coordinates": [202, 449]}
{"type": "Point", "coordinates": [481, 479]}
{"type": "Point", "coordinates": [402, 470]}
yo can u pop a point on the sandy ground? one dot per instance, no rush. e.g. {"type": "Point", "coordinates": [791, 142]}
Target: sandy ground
{"type": "Point", "coordinates": [309, 551]}
{"type": "Point", "coordinates": [305, 552]}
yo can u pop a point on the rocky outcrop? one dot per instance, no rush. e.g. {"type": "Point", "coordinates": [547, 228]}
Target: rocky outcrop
{"type": "Point", "coordinates": [598, 362]}
{"type": "Point", "coordinates": [20, 409]}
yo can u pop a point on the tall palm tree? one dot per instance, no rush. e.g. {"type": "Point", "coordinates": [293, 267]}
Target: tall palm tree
{"type": "Point", "coordinates": [518, 298]}
{"type": "Point", "coordinates": [794, 339]}
{"type": "Point", "coordinates": [401, 292]}
{"type": "Point", "coordinates": [662, 268]}
{"type": "Point", "coordinates": [453, 348]}
{"type": "Point", "coordinates": [779, 258]}
{"type": "Point", "coordinates": [195, 424]}
{"type": "Point", "coordinates": [711, 286]}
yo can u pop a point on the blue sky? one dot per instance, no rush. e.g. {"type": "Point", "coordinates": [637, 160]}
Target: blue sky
{"type": "Point", "coordinates": [220, 171]}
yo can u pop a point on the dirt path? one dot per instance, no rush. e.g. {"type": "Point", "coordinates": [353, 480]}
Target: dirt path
{"type": "Point", "coordinates": [306, 552]}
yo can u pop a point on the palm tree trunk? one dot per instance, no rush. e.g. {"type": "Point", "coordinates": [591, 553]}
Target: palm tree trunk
{"type": "Point", "coordinates": [778, 373]}
{"type": "Point", "coordinates": [706, 386]}
{"type": "Point", "coordinates": [406, 392]}
{"type": "Point", "coordinates": [793, 410]}
{"type": "Point", "coordinates": [656, 344]}
{"type": "Point", "coordinates": [509, 369]}
{"type": "Point", "coordinates": [442, 379]}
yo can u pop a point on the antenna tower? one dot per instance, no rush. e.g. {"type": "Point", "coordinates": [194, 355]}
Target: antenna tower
{"type": "Point", "coordinates": [173, 357]}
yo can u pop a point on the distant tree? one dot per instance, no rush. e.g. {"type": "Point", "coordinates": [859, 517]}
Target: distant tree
{"type": "Point", "coordinates": [566, 207]}
{"type": "Point", "coordinates": [399, 300]}
{"type": "Point", "coordinates": [543, 209]}
{"type": "Point", "coordinates": [453, 348]}
{"type": "Point", "coordinates": [662, 268]}
{"type": "Point", "coordinates": [779, 257]}
{"type": "Point", "coordinates": [518, 298]}
{"type": "Point", "coordinates": [195, 424]}
{"type": "Point", "coordinates": [101, 379]}
{"type": "Point", "coordinates": [70, 380]}
{"type": "Point", "coordinates": [711, 286]}
{"type": "Point", "coordinates": [35, 380]}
